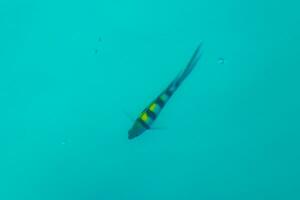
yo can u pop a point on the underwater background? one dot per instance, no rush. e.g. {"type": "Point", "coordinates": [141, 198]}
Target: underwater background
{"type": "Point", "coordinates": [73, 74]}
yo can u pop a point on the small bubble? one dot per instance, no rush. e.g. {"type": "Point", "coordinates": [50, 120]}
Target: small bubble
{"type": "Point", "coordinates": [221, 60]}
{"type": "Point", "coordinates": [64, 142]}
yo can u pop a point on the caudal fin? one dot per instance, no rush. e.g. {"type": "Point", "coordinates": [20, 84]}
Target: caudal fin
{"type": "Point", "coordinates": [190, 66]}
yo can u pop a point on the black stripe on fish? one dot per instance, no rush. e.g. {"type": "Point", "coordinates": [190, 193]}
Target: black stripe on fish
{"type": "Point", "coordinates": [168, 93]}
{"type": "Point", "coordinates": [160, 102]}
{"type": "Point", "coordinates": [144, 124]}
{"type": "Point", "coordinates": [151, 114]}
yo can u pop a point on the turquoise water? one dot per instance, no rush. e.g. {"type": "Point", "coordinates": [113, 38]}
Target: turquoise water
{"type": "Point", "coordinates": [73, 73]}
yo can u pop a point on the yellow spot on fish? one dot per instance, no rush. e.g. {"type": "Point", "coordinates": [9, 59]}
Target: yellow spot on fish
{"type": "Point", "coordinates": [163, 97]}
{"type": "Point", "coordinates": [144, 117]}
{"type": "Point", "coordinates": [153, 107]}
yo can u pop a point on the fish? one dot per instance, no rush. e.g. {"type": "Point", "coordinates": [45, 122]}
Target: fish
{"type": "Point", "coordinates": [149, 115]}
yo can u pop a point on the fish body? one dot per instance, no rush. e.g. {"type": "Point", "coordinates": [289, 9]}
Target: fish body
{"type": "Point", "coordinates": [151, 112]}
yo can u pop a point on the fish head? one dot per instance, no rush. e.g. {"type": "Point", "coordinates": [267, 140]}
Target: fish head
{"type": "Point", "coordinates": [136, 130]}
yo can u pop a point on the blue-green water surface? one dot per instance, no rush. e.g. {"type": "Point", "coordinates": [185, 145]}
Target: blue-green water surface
{"type": "Point", "coordinates": [73, 73]}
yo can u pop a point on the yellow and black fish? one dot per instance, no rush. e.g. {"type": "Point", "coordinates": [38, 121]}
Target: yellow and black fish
{"type": "Point", "coordinates": [150, 113]}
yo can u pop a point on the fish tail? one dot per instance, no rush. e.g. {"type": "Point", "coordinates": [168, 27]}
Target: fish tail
{"type": "Point", "coordinates": [190, 66]}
